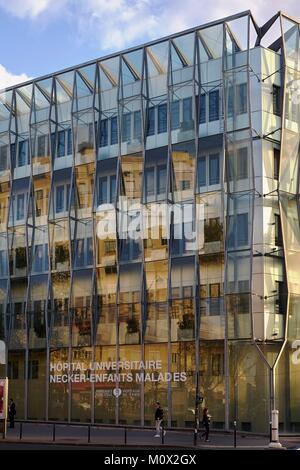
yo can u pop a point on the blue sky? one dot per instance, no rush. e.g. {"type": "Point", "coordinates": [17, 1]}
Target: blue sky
{"type": "Point", "coordinates": [41, 36]}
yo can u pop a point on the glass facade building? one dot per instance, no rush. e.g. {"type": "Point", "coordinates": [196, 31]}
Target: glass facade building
{"type": "Point", "coordinates": [207, 119]}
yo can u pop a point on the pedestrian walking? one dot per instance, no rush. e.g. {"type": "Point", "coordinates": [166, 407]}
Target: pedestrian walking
{"type": "Point", "coordinates": [11, 413]}
{"type": "Point", "coordinates": [206, 422]}
{"type": "Point", "coordinates": [159, 416]}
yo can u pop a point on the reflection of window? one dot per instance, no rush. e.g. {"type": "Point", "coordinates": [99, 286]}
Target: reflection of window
{"type": "Point", "coordinates": [276, 100]}
{"type": "Point", "coordinates": [23, 153]}
{"type": "Point", "coordinates": [175, 115]}
{"type": "Point", "coordinates": [238, 230]}
{"type": "Point", "coordinates": [126, 127]}
{"type": "Point", "coordinates": [162, 118]}
{"type": "Point", "coordinates": [213, 105]}
{"type": "Point", "coordinates": [187, 111]}
{"type": "Point", "coordinates": [213, 230]}
{"type": "Point", "coordinates": [114, 130]}
{"type": "Point", "coordinates": [3, 263]}
{"type": "Point", "coordinates": [201, 171]}
{"type": "Point", "coordinates": [242, 98]}
{"type": "Point", "coordinates": [214, 171]}
{"type": "Point", "coordinates": [62, 198]}
{"type": "Point", "coordinates": [151, 121]}
{"type": "Point", "coordinates": [137, 127]}
{"type": "Point", "coordinates": [278, 231]}
{"type": "Point", "coordinates": [40, 263]}
{"type": "Point", "coordinates": [276, 163]}
{"type": "Point", "coordinates": [20, 206]}
{"type": "Point", "coordinates": [202, 109]}
{"type": "Point", "coordinates": [61, 144]}
{"type": "Point", "coordinates": [103, 132]}
{"type": "Point", "coordinates": [155, 180]}
{"type": "Point", "coordinates": [83, 252]}
{"type": "Point", "coordinates": [41, 146]}
{"type": "Point", "coordinates": [3, 157]}
{"type": "Point", "coordinates": [106, 189]}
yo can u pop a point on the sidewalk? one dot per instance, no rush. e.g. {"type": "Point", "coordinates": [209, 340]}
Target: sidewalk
{"type": "Point", "coordinates": [139, 438]}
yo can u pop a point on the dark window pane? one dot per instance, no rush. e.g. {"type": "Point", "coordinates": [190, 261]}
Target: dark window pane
{"type": "Point", "coordinates": [41, 146]}
{"type": "Point", "coordinates": [60, 194]}
{"type": "Point", "coordinates": [214, 176]}
{"type": "Point", "coordinates": [151, 121]}
{"type": "Point", "coordinates": [3, 157]}
{"type": "Point", "coordinates": [202, 117]}
{"type": "Point", "coordinates": [112, 189]}
{"type": "Point", "coordinates": [278, 231]}
{"type": "Point", "coordinates": [175, 117]}
{"type": "Point", "coordinates": [242, 98]}
{"type": "Point", "coordinates": [162, 118]}
{"type": "Point", "coordinates": [69, 142]}
{"type": "Point", "coordinates": [149, 180]}
{"type": "Point", "coordinates": [230, 104]}
{"type": "Point", "coordinates": [103, 132]}
{"type": "Point", "coordinates": [102, 188]}
{"type": "Point", "coordinates": [61, 144]}
{"type": "Point", "coordinates": [276, 163]}
{"type": "Point", "coordinates": [20, 206]}
{"type": "Point", "coordinates": [114, 130]}
{"type": "Point", "coordinates": [161, 179]}
{"type": "Point", "coordinates": [242, 229]}
{"type": "Point", "coordinates": [214, 105]}
{"type": "Point", "coordinates": [137, 127]}
{"type": "Point", "coordinates": [242, 163]}
{"type": "Point", "coordinates": [126, 127]}
{"type": "Point", "coordinates": [23, 152]}
{"type": "Point", "coordinates": [201, 171]}
{"type": "Point", "coordinates": [187, 110]}
{"type": "Point", "coordinates": [276, 100]}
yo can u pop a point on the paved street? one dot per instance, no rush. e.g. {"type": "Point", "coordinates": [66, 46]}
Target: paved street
{"type": "Point", "coordinates": [34, 435]}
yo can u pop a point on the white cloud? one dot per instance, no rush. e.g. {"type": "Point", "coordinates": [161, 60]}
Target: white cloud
{"type": "Point", "coordinates": [8, 79]}
{"type": "Point", "coordinates": [114, 24]}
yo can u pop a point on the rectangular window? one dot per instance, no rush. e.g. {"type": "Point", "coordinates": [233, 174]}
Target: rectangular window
{"type": "Point", "coordinates": [214, 105]}
{"type": "Point", "coordinates": [137, 125]}
{"type": "Point", "coordinates": [112, 189]}
{"type": "Point", "coordinates": [151, 121]}
{"type": "Point", "coordinates": [230, 102]}
{"type": "Point", "coordinates": [214, 169]}
{"type": "Point", "coordinates": [162, 118]}
{"type": "Point", "coordinates": [3, 263]}
{"type": "Point", "coordinates": [114, 130]}
{"type": "Point", "coordinates": [69, 142]}
{"type": "Point", "coordinates": [3, 157]}
{"type": "Point", "coordinates": [13, 370]}
{"type": "Point", "coordinates": [276, 163]}
{"type": "Point", "coordinates": [149, 180]}
{"type": "Point", "coordinates": [242, 163]}
{"type": "Point", "coordinates": [242, 98]}
{"type": "Point", "coordinates": [161, 179]}
{"type": "Point", "coordinates": [61, 144]}
{"type": "Point", "coordinates": [187, 111]}
{"type": "Point", "coordinates": [276, 100]}
{"type": "Point", "coordinates": [38, 258]}
{"type": "Point", "coordinates": [103, 133]}
{"type": "Point", "coordinates": [23, 152]}
{"type": "Point", "coordinates": [201, 172]}
{"type": "Point", "coordinates": [126, 127]}
{"type": "Point", "coordinates": [278, 231]}
{"type": "Point", "coordinates": [175, 115]}
{"type": "Point", "coordinates": [41, 146]}
{"type": "Point", "coordinates": [60, 196]}
{"type": "Point", "coordinates": [20, 206]}
{"type": "Point", "coordinates": [202, 117]}
{"type": "Point", "coordinates": [242, 229]}
{"type": "Point", "coordinates": [102, 188]}
{"type": "Point", "coordinates": [33, 369]}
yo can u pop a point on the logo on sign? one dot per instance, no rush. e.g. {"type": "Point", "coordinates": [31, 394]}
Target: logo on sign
{"type": "Point", "coordinates": [117, 392]}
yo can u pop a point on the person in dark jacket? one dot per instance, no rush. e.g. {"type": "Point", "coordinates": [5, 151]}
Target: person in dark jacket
{"type": "Point", "coordinates": [206, 422]}
{"type": "Point", "coordinates": [159, 416]}
{"type": "Point", "coordinates": [11, 413]}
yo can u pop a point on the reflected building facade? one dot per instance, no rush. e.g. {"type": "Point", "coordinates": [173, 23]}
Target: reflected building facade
{"type": "Point", "coordinates": [208, 117]}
